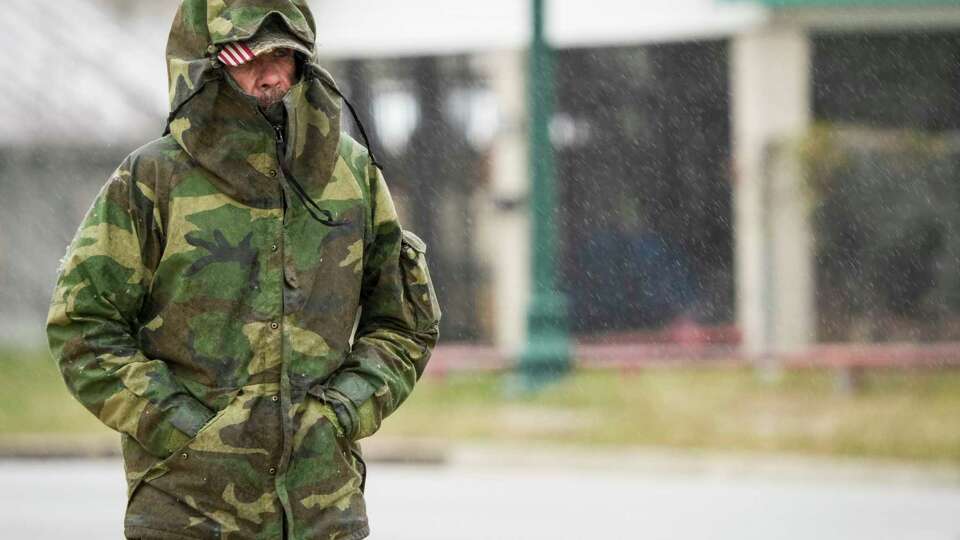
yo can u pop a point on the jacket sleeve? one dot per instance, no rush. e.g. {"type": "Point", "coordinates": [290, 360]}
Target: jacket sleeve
{"type": "Point", "coordinates": [93, 320]}
{"type": "Point", "coordinates": [398, 327]}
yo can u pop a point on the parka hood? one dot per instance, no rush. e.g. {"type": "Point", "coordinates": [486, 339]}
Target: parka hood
{"type": "Point", "coordinates": [201, 27]}
{"type": "Point", "coordinates": [222, 129]}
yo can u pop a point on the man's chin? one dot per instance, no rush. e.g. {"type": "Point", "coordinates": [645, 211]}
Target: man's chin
{"type": "Point", "coordinates": [270, 99]}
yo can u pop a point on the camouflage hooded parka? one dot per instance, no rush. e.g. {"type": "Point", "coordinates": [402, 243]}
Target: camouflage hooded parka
{"type": "Point", "coordinates": [241, 303]}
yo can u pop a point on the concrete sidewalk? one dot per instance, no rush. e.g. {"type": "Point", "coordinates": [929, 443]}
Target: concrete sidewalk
{"type": "Point", "coordinates": [527, 493]}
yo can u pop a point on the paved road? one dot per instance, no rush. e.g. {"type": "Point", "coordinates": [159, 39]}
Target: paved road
{"type": "Point", "coordinates": [83, 500]}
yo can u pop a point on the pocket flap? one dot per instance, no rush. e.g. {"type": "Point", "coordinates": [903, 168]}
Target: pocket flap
{"type": "Point", "coordinates": [414, 241]}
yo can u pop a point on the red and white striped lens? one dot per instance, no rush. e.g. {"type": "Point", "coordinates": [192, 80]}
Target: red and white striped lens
{"type": "Point", "coordinates": [235, 54]}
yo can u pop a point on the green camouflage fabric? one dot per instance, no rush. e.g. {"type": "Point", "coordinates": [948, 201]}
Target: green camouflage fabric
{"type": "Point", "coordinates": [239, 345]}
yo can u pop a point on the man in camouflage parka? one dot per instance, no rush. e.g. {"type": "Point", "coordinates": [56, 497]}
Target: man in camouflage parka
{"type": "Point", "coordinates": [241, 303]}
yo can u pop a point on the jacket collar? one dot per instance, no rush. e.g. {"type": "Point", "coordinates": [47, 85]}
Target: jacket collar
{"type": "Point", "coordinates": [224, 131]}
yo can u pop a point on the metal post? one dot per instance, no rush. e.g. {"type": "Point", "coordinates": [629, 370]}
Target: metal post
{"type": "Point", "coordinates": [547, 353]}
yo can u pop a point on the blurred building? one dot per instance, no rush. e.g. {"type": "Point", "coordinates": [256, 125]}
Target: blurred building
{"type": "Point", "coordinates": [73, 104]}
{"type": "Point", "coordinates": [685, 131]}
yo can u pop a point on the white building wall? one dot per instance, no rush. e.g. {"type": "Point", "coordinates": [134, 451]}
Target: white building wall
{"type": "Point", "coordinates": [505, 224]}
{"type": "Point", "coordinates": [771, 106]}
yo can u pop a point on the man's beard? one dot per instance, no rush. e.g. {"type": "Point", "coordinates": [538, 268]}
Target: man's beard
{"type": "Point", "coordinates": [271, 97]}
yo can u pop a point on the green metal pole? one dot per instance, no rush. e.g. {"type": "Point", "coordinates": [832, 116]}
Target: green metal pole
{"type": "Point", "coordinates": [547, 353]}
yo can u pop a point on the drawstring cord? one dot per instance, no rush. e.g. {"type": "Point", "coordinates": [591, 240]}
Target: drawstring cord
{"type": "Point", "coordinates": [312, 207]}
{"type": "Point", "coordinates": [356, 118]}
{"type": "Point", "coordinates": [309, 204]}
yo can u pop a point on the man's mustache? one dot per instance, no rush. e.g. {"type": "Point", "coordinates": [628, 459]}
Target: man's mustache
{"type": "Point", "coordinates": [271, 96]}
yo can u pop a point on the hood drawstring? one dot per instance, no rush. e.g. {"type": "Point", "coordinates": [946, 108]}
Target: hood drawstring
{"type": "Point", "coordinates": [356, 118]}
{"type": "Point", "coordinates": [311, 206]}
{"type": "Point", "coordinates": [324, 217]}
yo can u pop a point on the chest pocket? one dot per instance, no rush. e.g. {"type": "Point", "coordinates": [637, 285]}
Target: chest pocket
{"type": "Point", "coordinates": [417, 285]}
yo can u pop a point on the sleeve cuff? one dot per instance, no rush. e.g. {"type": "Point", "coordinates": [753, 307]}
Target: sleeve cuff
{"type": "Point", "coordinates": [346, 393]}
{"type": "Point", "coordinates": [177, 425]}
{"type": "Point", "coordinates": [189, 415]}
{"type": "Point", "coordinates": [353, 387]}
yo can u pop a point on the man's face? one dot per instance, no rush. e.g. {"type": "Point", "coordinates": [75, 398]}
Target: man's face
{"type": "Point", "coordinates": [266, 77]}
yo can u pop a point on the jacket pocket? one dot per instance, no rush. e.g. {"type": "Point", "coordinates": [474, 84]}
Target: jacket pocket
{"type": "Point", "coordinates": [417, 285]}
{"type": "Point", "coordinates": [159, 467]}
{"type": "Point", "coordinates": [330, 476]}
{"type": "Point", "coordinates": [222, 476]}
{"type": "Point", "coordinates": [326, 477]}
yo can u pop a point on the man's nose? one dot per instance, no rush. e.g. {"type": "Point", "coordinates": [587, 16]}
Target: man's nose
{"type": "Point", "coordinates": [270, 77]}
